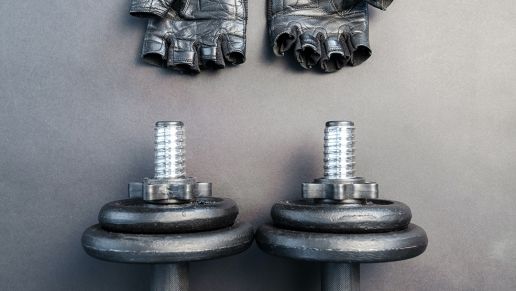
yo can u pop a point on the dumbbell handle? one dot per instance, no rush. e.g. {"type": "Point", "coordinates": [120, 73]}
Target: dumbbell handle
{"type": "Point", "coordinates": [340, 277]}
{"type": "Point", "coordinates": [170, 277]}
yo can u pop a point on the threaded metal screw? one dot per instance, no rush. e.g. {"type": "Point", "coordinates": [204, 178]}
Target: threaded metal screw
{"type": "Point", "coordinates": [169, 150]}
{"type": "Point", "coordinates": [339, 150]}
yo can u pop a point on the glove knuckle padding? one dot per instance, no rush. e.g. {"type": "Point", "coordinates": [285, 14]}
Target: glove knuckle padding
{"type": "Point", "coordinates": [331, 33]}
{"type": "Point", "coordinates": [196, 34]}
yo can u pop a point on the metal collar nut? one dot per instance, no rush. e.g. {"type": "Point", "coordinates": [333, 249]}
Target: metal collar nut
{"type": "Point", "coordinates": [340, 191]}
{"type": "Point", "coordinates": [157, 190]}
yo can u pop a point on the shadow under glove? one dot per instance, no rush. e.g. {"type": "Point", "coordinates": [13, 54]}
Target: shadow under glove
{"type": "Point", "coordinates": [189, 35]}
{"type": "Point", "coordinates": [331, 33]}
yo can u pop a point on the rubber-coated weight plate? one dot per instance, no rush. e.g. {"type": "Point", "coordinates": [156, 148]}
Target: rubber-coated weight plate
{"type": "Point", "coordinates": [137, 216]}
{"type": "Point", "coordinates": [351, 248]}
{"type": "Point", "coordinates": [373, 216]}
{"type": "Point", "coordinates": [166, 248]}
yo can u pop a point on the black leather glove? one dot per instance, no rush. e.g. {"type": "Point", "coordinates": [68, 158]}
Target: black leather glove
{"type": "Point", "coordinates": [331, 33]}
{"type": "Point", "coordinates": [189, 35]}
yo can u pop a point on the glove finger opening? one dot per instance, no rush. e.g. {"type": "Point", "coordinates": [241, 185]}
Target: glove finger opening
{"type": "Point", "coordinates": [154, 59]}
{"type": "Point", "coordinates": [360, 55]}
{"type": "Point", "coordinates": [235, 58]}
{"type": "Point", "coordinates": [211, 57]}
{"type": "Point", "coordinates": [284, 42]}
{"type": "Point", "coordinates": [336, 54]}
{"type": "Point", "coordinates": [154, 51]}
{"type": "Point", "coordinates": [183, 56]}
{"type": "Point", "coordinates": [334, 62]}
{"type": "Point", "coordinates": [308, 50]}
{"type": "Point", "coordinates": [233, 48]}
{"type": "Point", "coordinates": [359, 47]}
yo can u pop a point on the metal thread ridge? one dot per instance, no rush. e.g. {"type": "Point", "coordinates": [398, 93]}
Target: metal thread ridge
{"type": "Point", "coordinates": [339, 150]}
{"type": "Point", "coordinates": [169, 150]}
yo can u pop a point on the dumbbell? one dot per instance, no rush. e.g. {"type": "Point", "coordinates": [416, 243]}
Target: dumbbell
{"type": "Point", "coordinates": [340, 221]}
{"type": "Point", "coordinates": [168, 220]}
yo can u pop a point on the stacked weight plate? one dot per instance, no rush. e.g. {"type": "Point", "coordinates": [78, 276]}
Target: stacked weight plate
{"type": "Point", "coordinates": [340, 221]}
{"type": "Point", "coordinates": [341, 235]}
{"type": "Point", "coordinates": [168, 235]}
{"type": "Point", "coordinates": [170, 219]}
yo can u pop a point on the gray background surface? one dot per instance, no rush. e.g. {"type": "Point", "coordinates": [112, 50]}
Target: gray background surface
{"type": "Point", "coordinates": [435, 110]}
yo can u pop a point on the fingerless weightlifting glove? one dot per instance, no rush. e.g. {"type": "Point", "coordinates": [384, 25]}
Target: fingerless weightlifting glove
{"type": "Point", "coordinates": [189, 35]}
{"type": "Point", "coordinates": [328, 33]}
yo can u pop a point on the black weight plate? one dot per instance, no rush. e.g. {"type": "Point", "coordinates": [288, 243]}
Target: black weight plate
{"type": "Point", "coordinates": [373, 216]}
{"type": "Point", "coordinates": [137, 216]}
{"type": "Point", "coordinates": [351, 248]}
{"type": "Point", "coordinates": [166, 248]}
